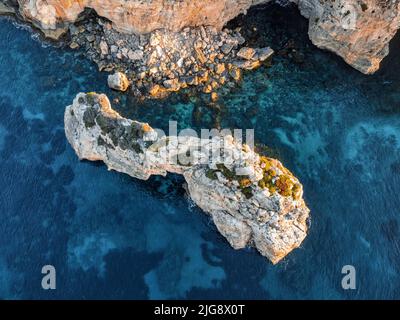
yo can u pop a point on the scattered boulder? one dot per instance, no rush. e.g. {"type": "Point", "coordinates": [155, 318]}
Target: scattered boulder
{"type": "Point", "coordinates": [155, 90]}
{"type": "Point", "coordinates": [135, 55]}
{"type": "Point", "coordinates": [227, 48]}
{"type": "Point", "coordinates": [252, 58]}
{"type": "Point", "coordinates": [219, 68]}
{"type": "Point", "coordinates": [172, 84]}
{"type": "Point", "coordinates": [235, 73]}
{"type": "Point", "coordinates": [247, 64]}
{"type": "Point", "coordinates": [246, 53]}
{"type": "Point", "coordinates": [118, 81]}
{"type": "Point", "coordinates": [74, 45]}
{"type": "Point", "coordinates": [103, 48]}
{"type": "Point", "coordinates": [214, 96]}
{"type": "Point", "coordinates": [164, 61]}
{"type": "Point", "coordinates": [114, 49]}
{"type": "Point", "coordinates": [263, 54]}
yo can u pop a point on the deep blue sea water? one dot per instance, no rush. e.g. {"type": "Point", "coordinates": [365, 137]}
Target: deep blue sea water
{"type": "Point", "coordinates": [111, 236]}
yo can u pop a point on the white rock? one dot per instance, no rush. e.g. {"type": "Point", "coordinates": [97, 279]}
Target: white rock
{"type": "Point", "coordinates": [135, 55]}
{"type": "Point", "coordinates": [103, 47]}
{"type": "Point", "coordinates": [118, 81]}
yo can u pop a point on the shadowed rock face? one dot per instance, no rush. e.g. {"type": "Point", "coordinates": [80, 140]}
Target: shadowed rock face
{"type": "Point", "coordinates": [357, 30]}
{"type": "Point", "coordinates": [253, 200]}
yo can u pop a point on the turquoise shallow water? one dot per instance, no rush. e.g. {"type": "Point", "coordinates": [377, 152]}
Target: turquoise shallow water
{"type": "Point", "coordinates": [110, 236]}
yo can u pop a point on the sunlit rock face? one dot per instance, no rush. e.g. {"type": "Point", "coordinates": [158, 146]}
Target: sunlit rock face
{"type": "Point", "coordinates": [136, 16]}
{"type": "Point", "coordinates": [253, 200]}
{"type": "Point", "coordinates": [357, 30]}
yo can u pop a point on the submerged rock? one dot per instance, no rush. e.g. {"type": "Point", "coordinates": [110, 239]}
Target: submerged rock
{"type": "Point", "coordinates": [253, 200]}
{"type": "Point", "coordinates": [263, 54]}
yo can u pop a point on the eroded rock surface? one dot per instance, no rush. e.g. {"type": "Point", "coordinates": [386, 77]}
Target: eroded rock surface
{"type": "Point", "coordinates": [118, 81]}
{"type": "Point", "coordinates": [253, 200]}
{"type": "Point", "coordinates": [135, 16]}
{"type": "Point", "coordinates": [162, 61]}
{"type": "Point", "coordinates": [357, 30]}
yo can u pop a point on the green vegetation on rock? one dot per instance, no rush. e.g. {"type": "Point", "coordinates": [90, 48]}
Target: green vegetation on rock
{"type": "Point", "coordinates": [285, 184]}
{"type": "Point", "coordinates": [211, 174]}
{"type": "Point", "coordinates": [244, 181]}
{"type": "Point", "coordinates": [89, 118]}
{"type": "Point", "coordinates": [90, 98]}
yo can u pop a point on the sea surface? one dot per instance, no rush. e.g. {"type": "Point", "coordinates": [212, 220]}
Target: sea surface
{"type": "Point", "coordinates": [110, 236]}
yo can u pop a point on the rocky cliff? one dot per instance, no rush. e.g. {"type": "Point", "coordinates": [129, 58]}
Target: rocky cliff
{"type": "Point", "coordinates": [253, 200]}
{"type": "Point", "coordinates": [357, 30]}
{"type": "Point", "coordinates": [135, 16]}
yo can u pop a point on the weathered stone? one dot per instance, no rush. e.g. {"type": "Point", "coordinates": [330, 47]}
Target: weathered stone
{"type": "Point", "coordinates": [114, 49]}
{"type": "Point", "coordinates": [246, 53]}
{"type": "Point", "coordinates": [247, 64]}
{"type": "Point", "coordinates": [118, 81]}
{"type": "Point", "coordinates": [74, 45]}
{"type": "Point", "coordinates": [235, 73]}
{"type": "Point", "coordinates": [360, 33]}
{"type": "Point", "coordinates": [263, 54]}
{"type": "Point", "coordinates": [153, 70]}
{"type": "Point", "coordinates": [155, 90]}
{"type": "Point", "coordinates": [219, 68]}
{"type": "Point", "coordinates": [90, 38]}
{"type": "Point", "coordinates": [227, 48]}
{"type": "Point", "coordinates": [103, 48]}
{"type": "Point", "coordinates": [172, 84]}
{"type": "Point", "coordinates": [135, 54]}
{"type": "Point", "coordinates": [207, 88]}
{"type": "Point", "coordinates": [124, 52]}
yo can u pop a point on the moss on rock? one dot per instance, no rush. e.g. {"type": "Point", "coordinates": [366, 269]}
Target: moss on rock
{"type": "Point", "coordinates": [284, 183]}
{"type": "Point", "coordinates": [89, 117]}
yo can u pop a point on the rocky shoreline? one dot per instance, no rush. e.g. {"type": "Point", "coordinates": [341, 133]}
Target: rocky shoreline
{"type": "Point", "coordinates": [199, 59]}
{"type": "Point", "coordinates": [359, 31]}
{"type": "Point", "coordinates": [163, 61]}
{"type": "Point", "coordinates": [253, 200]}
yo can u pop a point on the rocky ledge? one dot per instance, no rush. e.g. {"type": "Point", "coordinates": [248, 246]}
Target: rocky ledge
{"type": "Point", "coordinates": [253, 200]}
{"type": "Point", "coordinates": [163, 61]}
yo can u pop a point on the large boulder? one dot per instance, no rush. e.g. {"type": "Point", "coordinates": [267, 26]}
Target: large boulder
{"type": "Point", "coordinates": [118, 81]}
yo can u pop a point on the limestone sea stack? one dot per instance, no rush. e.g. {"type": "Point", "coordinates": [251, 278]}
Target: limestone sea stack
{"type": "Point", "coordinates": [253, 200]}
